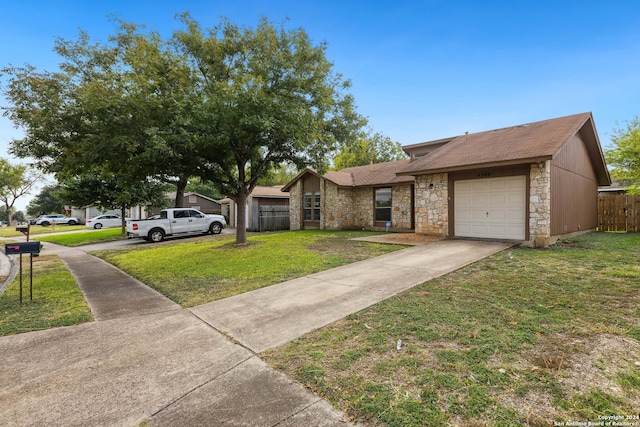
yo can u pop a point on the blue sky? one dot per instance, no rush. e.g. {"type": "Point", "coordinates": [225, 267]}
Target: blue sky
{"type": "Point", "coordinates": [421, 70]}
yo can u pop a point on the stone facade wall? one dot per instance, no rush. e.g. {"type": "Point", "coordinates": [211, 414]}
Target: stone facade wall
{"type": "Point", "coordinates": [432, 204]}
{"type": "Point", "coordinates": [401, 210]}
{"type": "Point", "coordinates": [337, 206]}
{"type": "Point", "coordinates": [540, 204]}
{"type": "Point", "coordinates": [295, 206]}
{"type": "Point", "coordinates": [350, 208]}
{"type": "Point", "coordinates": [362, 208]}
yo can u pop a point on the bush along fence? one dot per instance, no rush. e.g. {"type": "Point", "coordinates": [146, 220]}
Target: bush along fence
{"type": "Point", "coordinates": [619, 212]}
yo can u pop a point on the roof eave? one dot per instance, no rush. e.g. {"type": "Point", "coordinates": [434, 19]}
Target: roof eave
{"type": "Point", "coordinates": [513, 162]}
{"type": "Point", "coordinates": [595, 152]}
{"type": "Point", "coordinates": [270, 196]}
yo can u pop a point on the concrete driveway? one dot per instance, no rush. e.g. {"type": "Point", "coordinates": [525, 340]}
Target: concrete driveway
{"type": "Point", "coordinates": [168, 366]}
{"type": "Point", "coordinates": [275, 315]}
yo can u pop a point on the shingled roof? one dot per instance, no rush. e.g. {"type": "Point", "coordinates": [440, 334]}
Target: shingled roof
{"type": "Point", "coordinates": [362, 176]}
{"type": "Point", "coordinates": [368, 175]}
{"type": "Point", "coordinates": [268, 191]}
{"type": "Point", "coordinates": [527, 143]}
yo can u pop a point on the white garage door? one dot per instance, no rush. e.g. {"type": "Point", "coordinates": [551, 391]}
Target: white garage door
{"type": "Point", "coordinates": [491, 207]}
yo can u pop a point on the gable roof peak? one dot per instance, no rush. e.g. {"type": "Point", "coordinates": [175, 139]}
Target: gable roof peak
{"type": "Point", "coordinates": [519, 144]}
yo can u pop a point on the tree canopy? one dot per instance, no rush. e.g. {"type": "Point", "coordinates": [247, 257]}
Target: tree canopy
{"type": "Point", "coordinates": [624, 158]}
{"type": "Point", "coordinates": [15, 181]}
{"type": "Point", "coordinates": [269, 96]}
{"type": "Point", "coordinates": [118, 108]}
{"type": "Point", "coordinates": [279, 175]}
{"type": "Point", "coordinates": [368, 148]}
{"type": "Point", "coordinates": [47, 201]}
{"type": "Point", "coordinates": [226, 104]}
{"type": "Point", "coordinates": [107, 193]}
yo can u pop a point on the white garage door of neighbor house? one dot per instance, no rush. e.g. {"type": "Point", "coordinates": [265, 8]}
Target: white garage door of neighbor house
{"type": "Point", "coordinates": [491, 207]}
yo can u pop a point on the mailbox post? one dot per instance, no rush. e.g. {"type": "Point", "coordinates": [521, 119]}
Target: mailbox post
{"type": "Point", "coordinates": [20, 248]}
{"type": "Point", "coordinates": [24, 229]}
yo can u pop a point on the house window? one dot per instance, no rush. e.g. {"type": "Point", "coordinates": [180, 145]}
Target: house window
{"type": "Point", "coordinates": [311, 206]}
{"type": "Point", "coordinates": [383, 204]}
{"type": "Point", "coordinates": [193, 198]}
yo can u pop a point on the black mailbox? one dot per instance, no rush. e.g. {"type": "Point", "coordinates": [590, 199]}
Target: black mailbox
{"type": "Point", "coordinates": [22, 229]}
{"type": "Point", "coordinates": [22, 248]}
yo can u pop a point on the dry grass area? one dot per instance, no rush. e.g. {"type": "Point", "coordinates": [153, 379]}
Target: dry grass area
{"type": "Point", "coordinates": [401, 238]}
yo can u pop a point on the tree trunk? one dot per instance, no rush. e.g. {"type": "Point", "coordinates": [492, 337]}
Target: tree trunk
{"type": "Point", "coordinates": [123, 209]}
{"type": "Point", "coordinates": [241, 223]}
{"type": "Point", "coordinates": [8, 210]}
{"type": "Point", "coordinates": [180, 186]}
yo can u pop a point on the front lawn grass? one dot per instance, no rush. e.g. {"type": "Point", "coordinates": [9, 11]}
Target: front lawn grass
{"type": "Point", "coordinates": [84, 238]}
{"type": "Point", "coordinates": [196, 271]}
{"type": "Point", "coordinates": [524, 338]}
{"type": "Point", "coordinates": [10, 231]}
{"type": "Point", "coordinates": [57, 301]}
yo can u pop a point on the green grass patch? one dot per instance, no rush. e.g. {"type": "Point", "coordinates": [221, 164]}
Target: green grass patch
{"type": "Point", "coordinates": [525, 337]}
{"type": "Point", "coordinates": [85, 238]}
{"type": "Point", "coordinates": [57, 301]}
{"type": "Point", "coordinates": [38, 229]}
{"type": "Point", "coordinates": [196, 271]}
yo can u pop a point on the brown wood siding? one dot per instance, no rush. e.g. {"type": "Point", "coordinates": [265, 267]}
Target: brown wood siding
{"type": "Point", "coordinates": [311, 183]}
{"type": "Point", "coordinates": [487, 173]}
{"type": "Point", "coordinates": [574, 189]}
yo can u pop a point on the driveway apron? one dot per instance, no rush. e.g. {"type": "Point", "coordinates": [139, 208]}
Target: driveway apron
{"type": "Point", "coordinates": [147, 359]}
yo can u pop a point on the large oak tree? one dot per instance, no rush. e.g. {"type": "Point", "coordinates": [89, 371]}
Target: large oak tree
{"type": "Point", "coordinates": [118, 109]}
{"type": "Point", "coordinates": [270, 96]}
{"type": "Point", "coordinates": [225, 104]}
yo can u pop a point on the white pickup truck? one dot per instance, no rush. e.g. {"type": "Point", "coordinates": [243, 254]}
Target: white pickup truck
{"type": "Point", "coordinates": [175, 222]}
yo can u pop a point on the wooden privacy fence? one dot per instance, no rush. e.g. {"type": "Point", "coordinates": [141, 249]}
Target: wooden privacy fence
{"type": "Point", "coordinates": [619, 212]}
{"type": "Point", "coordinates": [270, 218]}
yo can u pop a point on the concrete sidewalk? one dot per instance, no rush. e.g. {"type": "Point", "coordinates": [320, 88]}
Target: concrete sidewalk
{"type": "Point", "coordinates": [110, 292]}
{"type": "Point", "coordinates": [147, 359]}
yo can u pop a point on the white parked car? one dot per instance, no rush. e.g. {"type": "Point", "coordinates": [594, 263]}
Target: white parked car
{"type": "Point", "coordinates": [47, 220]}
{"type": "Point", "coordinates": [104, 221]}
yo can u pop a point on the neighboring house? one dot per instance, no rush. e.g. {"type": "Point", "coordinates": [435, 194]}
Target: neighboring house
{"type": "Point", "coordinates": [191, 200]}
{"type": "Point", "coordinates": [196, 201]}
{"type": "Point", "coordinates": [614, 188]}
{"type": "Point", "coordinates": [261, 197]}
{"type": "Point", "coordinates": [84, 213]}
{"type": "Point", "coordinates": [533, 182]}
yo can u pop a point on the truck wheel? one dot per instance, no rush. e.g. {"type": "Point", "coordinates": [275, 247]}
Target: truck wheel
{"type": "Point", "coordinates": [45, 223]}
{"type": "Point", "coordinates": [156, 235]}
{"type": "Point", "coordinates": [215, 228]}
{"type": "Point", "coordinates": [72, 222]}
